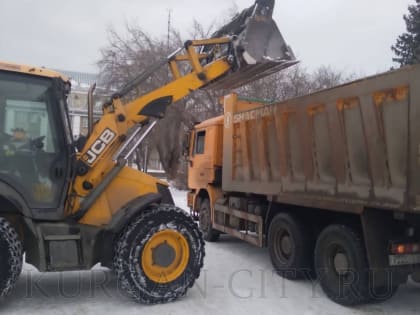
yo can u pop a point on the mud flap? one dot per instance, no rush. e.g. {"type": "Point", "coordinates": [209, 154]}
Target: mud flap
{"type": "Point", "coordinates": [375, 224]}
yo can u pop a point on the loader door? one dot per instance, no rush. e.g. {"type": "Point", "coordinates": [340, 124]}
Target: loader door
{"type": "Point", "coordinates": [33, 148]}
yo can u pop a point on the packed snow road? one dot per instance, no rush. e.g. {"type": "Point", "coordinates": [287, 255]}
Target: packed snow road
{"type": "Point", "coordinates": [237, 279]}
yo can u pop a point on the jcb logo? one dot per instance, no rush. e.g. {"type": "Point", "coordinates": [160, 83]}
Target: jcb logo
{"type": "Point", "coordinates": [99, 146]}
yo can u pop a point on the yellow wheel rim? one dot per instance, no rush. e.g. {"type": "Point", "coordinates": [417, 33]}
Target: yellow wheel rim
{"type": "Point", "coordinates": [165, 256]}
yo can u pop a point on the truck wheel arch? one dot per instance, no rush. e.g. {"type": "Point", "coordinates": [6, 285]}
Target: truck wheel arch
{"type": "Point", "coordinates": [212, 193]}
{"type": "Point", "coordinates": [202, 194]}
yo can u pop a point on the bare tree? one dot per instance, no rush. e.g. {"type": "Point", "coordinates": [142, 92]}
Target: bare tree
{"type": "Point", "coordinates": [126, 56]}
{"type": "Point", "coordinates": [129, 54]}
{"type": "Point", "coordinates": [325, 77]}
{"type": "Point", "coordinates": [294, 82]}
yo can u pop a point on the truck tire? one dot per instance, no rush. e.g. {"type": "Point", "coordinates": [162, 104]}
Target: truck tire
{"type": "Point", "coordinates": [341, 265]}
{"type": "Point", "coordinates": [382, 294]}
{"type": "Point", "coordinates": [290, 244]}
{"type": "Point", "coordinates": [11, 253]}
{"type": "Point", "coordinates": [209, 234]}
{"type": "Point", "coordinates": [159, 255]}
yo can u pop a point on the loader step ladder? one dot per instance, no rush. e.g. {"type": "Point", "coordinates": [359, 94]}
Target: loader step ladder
{"type": "Point", "coordinates": [62, 246]}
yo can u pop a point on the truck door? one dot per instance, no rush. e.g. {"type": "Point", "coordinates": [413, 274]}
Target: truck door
{"type": "Point", "coordinates": [33, 146]}
{"type": "Point", "coordinates": [200, 159]}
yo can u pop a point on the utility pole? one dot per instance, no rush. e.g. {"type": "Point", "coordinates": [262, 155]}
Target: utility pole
{"type": "Point", "coordinates": [169, 27]}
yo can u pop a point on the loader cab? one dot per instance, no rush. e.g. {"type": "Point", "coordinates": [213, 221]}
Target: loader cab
{"type": "Point", "coordinates": [205, 154]}
{"type": "Point", "coordinates": [34, 141]}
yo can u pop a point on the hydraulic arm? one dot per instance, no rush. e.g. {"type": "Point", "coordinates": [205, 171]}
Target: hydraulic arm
{"type": "Point", "coordinates": [248, 48]}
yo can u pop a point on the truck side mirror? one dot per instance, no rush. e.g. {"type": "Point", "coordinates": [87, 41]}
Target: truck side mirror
{"type": "Point", "coordinates": [186, 145]}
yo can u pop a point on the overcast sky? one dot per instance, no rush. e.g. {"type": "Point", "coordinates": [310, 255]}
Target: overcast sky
{"type": "Point", "coordinates": [350, 35]}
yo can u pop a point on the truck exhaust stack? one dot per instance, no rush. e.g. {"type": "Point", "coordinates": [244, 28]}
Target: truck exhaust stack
{"type": "Point", "coordinates": [257, 45]}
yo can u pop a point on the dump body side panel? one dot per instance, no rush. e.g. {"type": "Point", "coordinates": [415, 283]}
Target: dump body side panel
{"type": "Point", "coordinates": [341, 149]}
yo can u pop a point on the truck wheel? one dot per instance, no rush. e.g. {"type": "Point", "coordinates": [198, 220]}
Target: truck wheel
{"type": "Point", "coordinates": [10, 257]}
{"type": "Point", "coordinates": [209, 233]}
{"type": "Point", "coordinates": [159, 255]}
{"type": "Point", "coordinates": [341, 265]}
{"type": "Point", "coordinates": [382, 294]}
{"type": "Point", "coordinates": [290, 245]}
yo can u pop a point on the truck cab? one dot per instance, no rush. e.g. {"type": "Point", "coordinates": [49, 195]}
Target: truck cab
{"type": "Point", "coordinates": [204, 151]}
{"type": "Point", "coordinates": [205, 158]}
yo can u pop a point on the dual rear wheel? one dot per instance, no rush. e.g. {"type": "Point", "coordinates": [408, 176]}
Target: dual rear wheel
{"type": "Point", "coordinates": [338, 258]}
{"type": "Point", "coordinates": [290, 246]}
{"type": "Point", "coordinates": [343, 270]}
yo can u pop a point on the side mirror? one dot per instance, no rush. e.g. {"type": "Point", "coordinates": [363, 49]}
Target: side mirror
{"type": "Point", "coordinates": [186, 144]}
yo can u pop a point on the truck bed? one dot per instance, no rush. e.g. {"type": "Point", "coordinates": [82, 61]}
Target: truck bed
{"type": "Point", "coordinates": [344, 149]}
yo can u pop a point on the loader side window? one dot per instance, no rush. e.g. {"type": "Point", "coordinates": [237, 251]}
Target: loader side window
{"type": "Point", "coordinates": [199, 142]}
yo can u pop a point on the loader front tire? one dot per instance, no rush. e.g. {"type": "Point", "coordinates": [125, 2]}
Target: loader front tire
{"type": "Point", "coordinates": [159, 255]}
{"type": "Point", "coordinates": [10, 257]}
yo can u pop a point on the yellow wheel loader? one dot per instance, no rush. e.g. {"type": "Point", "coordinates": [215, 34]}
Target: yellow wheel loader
{"type": "Point", "coordinates": [70, 206]}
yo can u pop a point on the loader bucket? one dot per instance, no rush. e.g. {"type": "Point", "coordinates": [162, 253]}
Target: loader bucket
{"type": "Point", "coordinates": [258, 47]}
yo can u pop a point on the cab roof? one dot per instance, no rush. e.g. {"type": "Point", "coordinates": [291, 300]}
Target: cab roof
{"type": "Point", "coordinates": [210, 122]}
{"type": "Point", "coordinates": [26, 69]}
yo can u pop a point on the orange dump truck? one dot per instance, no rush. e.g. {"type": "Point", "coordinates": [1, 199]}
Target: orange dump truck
{"type": "Point", "coordinates": [329, 182]}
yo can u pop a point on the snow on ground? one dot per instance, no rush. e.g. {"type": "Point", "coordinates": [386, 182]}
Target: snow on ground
{"type": "Point", "coordinates": [237, 279]}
